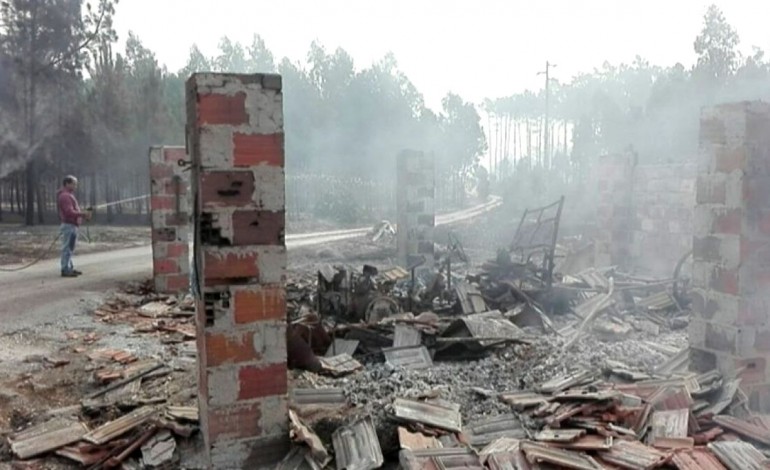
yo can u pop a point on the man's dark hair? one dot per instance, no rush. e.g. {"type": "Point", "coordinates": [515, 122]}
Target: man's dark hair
{"type": "Point", "coordinates": [69, 180]}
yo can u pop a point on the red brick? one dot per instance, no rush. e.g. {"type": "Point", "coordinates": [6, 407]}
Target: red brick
{"type": "Point", "coordinates": [258, 382]}
{"type": "Point", "coordinates": [234, 422]}
{"type": "Point", "coordinates": [753, 312]}
{"type": "Point", "coordinates": [222, 109]}
{"type": "Point", "coordinates": [230, 349]}
{"type": "Point", "coordinates": [159, 203]}
{"type": "Point", "coordinates": [167, 234]}
{"type": "Point", "coordinates": [227, 189]}
{"type": "Point", "coordinates": [160, 171]}
{"type": "Point", "coordinates": [725, 281]}
{"type": "Point", "coordinates": [258, 228]}
{"type": "Point", "coordinates": [762, 339]}
{"type": "Point", "coordinates": [728, 222]}
{"type": "Point", "coordinates": [258, 149]}
{"type": "Point", "coordinates": [230, 265]}
{"type": "Point", "coordinates": [170, 186]}
{"type": "Point", "coordinates": [165, 266]}
{"type": "Point", "coordinates": [177, 282]}
{"type": "Point", "coordinates": [176, 250]}
{"type": "Point", "coordinates": [266, 303]}
{"type": "Point", "coordinates": [173, 155]}
{"type": "Point", "coordinates": [177, 219]}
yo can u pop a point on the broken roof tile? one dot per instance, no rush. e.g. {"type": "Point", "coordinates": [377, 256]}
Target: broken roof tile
{"type": "Point", "coordinates": [440, 459]}
{"type": "Point", "coordinates": [634, 455]}
{"type": "Point", "coordinates": [120, 426]}
{"type": "Point", "coordinates": [522, 400]}
{"type": "Point", "coordinates": [318, 396]}
{"type": "Point", "coordinates": [357, 447]}
{"type": "Point", "coordinates": [565, 381]}
{"type": "Point", "coordinates": [417, 440]}
{"type": "Point", "coordinates": [538, 453]}
{"type": "Point", "coordinates": [670, 423]}
{"type": "Point", "coordinates": [696, 459]}
{"type": "Point", "coordinates": [482, 432]}
{"type": "Point", "coordinates": [726, 395]}
{"type": "Point", "coordinates": [559, 435]}
{"type": "Point", "coordinates": [342, 364]}
{"type": "Point", "coordinates": [443, 416]}
{"type": "Point", "coordinates": [48, 436]}
{"type": "Point", "coordinates": [739, 455]}
{"type": "Point", "coordinates": [744, 429]}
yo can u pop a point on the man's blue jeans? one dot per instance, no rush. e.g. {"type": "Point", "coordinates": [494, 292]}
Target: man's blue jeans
{"type": "Point", "coordinates": [69, 235]}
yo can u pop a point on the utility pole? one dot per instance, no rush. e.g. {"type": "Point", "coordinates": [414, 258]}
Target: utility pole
{"type": "Point", "coordinates": [546, 132]}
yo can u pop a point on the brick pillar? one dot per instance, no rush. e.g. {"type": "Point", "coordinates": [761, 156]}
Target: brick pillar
{"type": "Point", "coordinates": [235, 125]}
{"type": "Point", "coordinates": [416, 183]}
{"type": "Point", "coordinates": [614, 218]}
{"type": "Point", "coordinates": [731, 248]}
{"type": "Point", "coordinates": [169, 207]}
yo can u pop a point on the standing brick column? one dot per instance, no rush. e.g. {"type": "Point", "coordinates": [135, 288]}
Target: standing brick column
{"type": "Point", "coordinates": [615, 206]}
{"type": "Point", "coordinates": [416, 188]}
{"type": "Point", "coordinates": [169, 207]}
{"type": "Point", "coordinates": [235, 125]}
{"type": "Point", "coordinates": [731, 248]}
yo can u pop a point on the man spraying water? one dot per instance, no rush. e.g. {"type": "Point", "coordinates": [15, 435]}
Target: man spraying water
{"type": "Point", "coordinates": [71, 217]}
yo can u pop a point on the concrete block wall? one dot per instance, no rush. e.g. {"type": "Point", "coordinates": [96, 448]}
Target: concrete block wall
{"type": "Point", "coordinates": [614, 212]}
{"type": "Point", "coordinates": [416, 204]}
{"type": "Point", "coordinates": [731, 248]}
{"type": "Point", "coordinates": [169, 207]}
{"type": "Point", "coordinates": [644, 214]}
{"type": "Point", "coordinates": [664, 199]}
{"type": "Point", "coordinates": [236, 142]}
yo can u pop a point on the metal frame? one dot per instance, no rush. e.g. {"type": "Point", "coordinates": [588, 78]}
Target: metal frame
{"type": "Point", "coordinates": [527, 248]}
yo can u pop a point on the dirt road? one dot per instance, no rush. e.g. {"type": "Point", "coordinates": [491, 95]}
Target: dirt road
{"type": "Point", "coordinates": [38, 294]}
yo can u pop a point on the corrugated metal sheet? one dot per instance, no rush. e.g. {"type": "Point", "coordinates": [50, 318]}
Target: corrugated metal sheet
{"type": "Point", "coordinates": [441, 415]}
{"type": "Point", "coordinates": [724, 399]}
{"type": "Point", "coordinates": [673, 423]}
{"type": "Point", "coordinates": [393, 274]}
{"type": "Point", "coordinates": [739, 455]}
{"type": "Point", "coordinates": [490, 324]}
{"type": "Point", "coordinates": [696, 459]}
{"type": "Point", "coordinates": [595, 279]}
{"type": "Point", "coordinates": [566, 381]}
{"type": "Point", "coordinates": [471, 300]}
{"type": "Point", "coordinates": [406, 335]}
{"type": "Point", "coordinates": [318, 396]}
{"type": "Point", "coordinates": [744, 429]}
{"type": "Point", "coordinates": [357, 447]}
{"type": "Point", "coordinates": [342, 346]}
{"type": "Point", "coordinates": [522, 400]}
{"type": "Point", "coordinates": [598, 302]}
{"type": "Point", "coordinates": [538, 453]}
{"type": "Point", "coordinates": [657, 302]}
{"type": "Point", "coordinates": [413, 358]}
{"type": "Point", "coordinates": [677, 363]}
{"type": "Point", "coordinates": [483, 432]}
{"type": "Point", "coordinates": [634, 455]}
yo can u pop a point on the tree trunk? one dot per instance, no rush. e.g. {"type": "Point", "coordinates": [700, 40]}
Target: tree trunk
{"type": "Point", "coordinates": [31, 180]}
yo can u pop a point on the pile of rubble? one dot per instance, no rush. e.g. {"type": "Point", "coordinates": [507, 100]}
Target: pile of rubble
{"type": "Point", "coordinates": [137, 412]}
{"type": "Point", "coordinates": [576, 421]}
